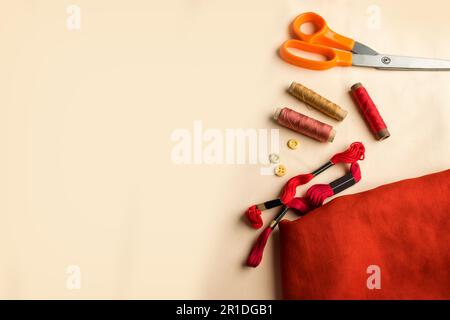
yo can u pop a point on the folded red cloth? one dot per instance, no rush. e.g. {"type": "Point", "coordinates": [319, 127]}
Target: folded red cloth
{"type": "Point", "coordinates": [403, 228]}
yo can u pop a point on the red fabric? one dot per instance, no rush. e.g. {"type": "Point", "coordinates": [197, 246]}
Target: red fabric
{"type": "Point", "coordinates": [403, 227]}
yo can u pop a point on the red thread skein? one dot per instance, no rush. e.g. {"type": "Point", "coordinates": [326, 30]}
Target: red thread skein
{"type": "Point", "coordinates": [315, 197]}
{"type": "Point", "coordinates": [370, 112]}
{"type": "Point", "coordinates": [354, 153]}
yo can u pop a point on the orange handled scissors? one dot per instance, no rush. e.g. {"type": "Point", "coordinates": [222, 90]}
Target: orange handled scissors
{"type": "Point", "coordinates": [342, 51]}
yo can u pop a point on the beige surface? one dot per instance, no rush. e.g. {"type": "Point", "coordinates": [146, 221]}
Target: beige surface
{"type": "Point", "coordinates": [86, 118]}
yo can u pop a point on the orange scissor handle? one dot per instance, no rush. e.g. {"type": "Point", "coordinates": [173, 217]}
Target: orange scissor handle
{"type": "Point", "coordinates": [323, 34]}
{"type": "Point", "coordinates": [333, 57]}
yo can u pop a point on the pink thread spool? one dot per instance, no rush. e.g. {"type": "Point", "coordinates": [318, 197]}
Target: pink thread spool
{"type": "Point", "coordinates": [305, 125]}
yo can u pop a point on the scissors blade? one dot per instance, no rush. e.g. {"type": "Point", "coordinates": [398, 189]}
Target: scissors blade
{"type": "Point", "coordinates": [388, 62]}
{"type": "Point", "coordinates": [360, 48]}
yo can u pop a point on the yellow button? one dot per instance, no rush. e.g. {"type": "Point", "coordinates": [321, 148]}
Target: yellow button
{"type": "Point", "coordinates": [293, 144]}
{"type": "Point", "coordinates": [280, 170]}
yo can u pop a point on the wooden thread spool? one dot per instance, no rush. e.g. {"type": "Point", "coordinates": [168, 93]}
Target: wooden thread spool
{"type": "Point", "coordinates": [316, 101]}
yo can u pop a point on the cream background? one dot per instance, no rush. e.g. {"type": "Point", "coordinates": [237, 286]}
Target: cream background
{"type": "Point", "coordinates": [86, 118]}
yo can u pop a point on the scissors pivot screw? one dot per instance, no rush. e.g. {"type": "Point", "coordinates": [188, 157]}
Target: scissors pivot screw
{"type": "Point", "coordinates": [386, 60]}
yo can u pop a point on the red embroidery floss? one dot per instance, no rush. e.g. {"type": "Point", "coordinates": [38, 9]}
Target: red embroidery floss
{"type": "Point", "coordinates": [354, 153]}
{"type": "Point", "coordinates": [314, 198]}
{"type": "Point", "coordinates": [370, 112]}
{"type": "Point", "coordinates": [305, 125]}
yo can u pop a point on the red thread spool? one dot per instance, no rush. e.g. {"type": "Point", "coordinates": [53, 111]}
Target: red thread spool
{"type": "Point", "coordinates": [370, 112]}
{"type": "Point", "coordinates": [305, 125]}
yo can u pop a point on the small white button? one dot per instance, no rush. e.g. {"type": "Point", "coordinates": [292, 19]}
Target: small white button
{"type": "Point", "coordinates": [274, 158]}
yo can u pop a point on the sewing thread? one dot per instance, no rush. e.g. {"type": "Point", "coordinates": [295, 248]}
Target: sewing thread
{"type": "Point", "coordinates": [305, 125]}
{"type": "Point", "coordinates": [370, 112]}
{"type": "Point", "coordinates": [316, 101]}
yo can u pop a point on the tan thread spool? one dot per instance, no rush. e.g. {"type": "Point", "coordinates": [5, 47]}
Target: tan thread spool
{"type": "Point", "coordinates": [316, 101]}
